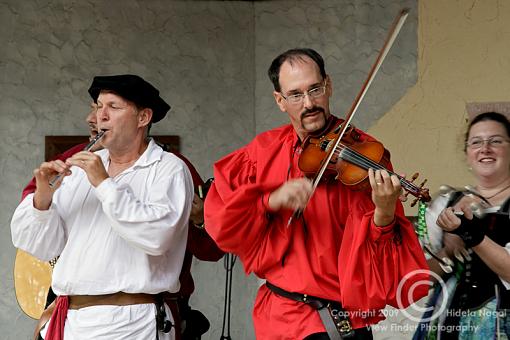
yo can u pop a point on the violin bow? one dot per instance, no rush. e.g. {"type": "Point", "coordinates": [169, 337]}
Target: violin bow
{"type": "Point", "coordinates": [390, 39]}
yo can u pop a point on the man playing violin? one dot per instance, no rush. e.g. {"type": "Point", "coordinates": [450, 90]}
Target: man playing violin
{"type": "Point", "coordinates": [332, 269]}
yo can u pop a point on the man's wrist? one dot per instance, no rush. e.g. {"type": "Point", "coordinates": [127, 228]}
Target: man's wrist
{"type": "Point", "coordinates": [383, 220]}
{"type": "Point", "coordinates": [40, 202]}
{"type": "Point", "coordinates": [265, 202]}
{"type": "Point", "coordinates": [384, 215]}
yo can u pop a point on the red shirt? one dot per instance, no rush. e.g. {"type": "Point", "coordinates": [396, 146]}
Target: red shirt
{"type": "Point", "coordinates": [339, 254]}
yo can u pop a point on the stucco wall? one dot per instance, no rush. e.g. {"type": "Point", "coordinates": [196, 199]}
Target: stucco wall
{"type": "Point", "coordinates": [199, 54]}
{"type": "Point", "coordinates": [349, 36]}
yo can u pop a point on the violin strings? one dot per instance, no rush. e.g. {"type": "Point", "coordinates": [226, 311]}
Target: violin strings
{"type": "Point", "coordinates": [348, 154]}
{"type": "Point", "coordinates": [367, 163]}
{"type": "Point", "coordinates": [359, 159]}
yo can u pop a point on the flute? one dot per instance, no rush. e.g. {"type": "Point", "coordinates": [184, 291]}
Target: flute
{"type": "Point", "coordinates": [86, 148]}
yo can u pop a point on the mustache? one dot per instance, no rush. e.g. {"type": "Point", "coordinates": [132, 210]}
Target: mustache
{"type": "Point", "coordinates": [313, 109]}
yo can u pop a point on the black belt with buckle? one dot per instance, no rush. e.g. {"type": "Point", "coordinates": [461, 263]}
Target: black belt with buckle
{"type": "Point", "coordinates": [333, 316]}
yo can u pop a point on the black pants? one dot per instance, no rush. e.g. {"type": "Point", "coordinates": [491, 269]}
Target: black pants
{"type": "Point", "coordinates": [359, 334]}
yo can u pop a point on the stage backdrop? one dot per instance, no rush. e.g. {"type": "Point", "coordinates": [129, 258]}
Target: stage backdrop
{"type": "Point", "coordinates": [210, 58]}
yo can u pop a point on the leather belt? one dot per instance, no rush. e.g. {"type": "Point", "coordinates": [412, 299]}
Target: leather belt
{"type": "Point", "coordinates": [332, 314]}
{"type": "Point", "coordinates": [115, 299]}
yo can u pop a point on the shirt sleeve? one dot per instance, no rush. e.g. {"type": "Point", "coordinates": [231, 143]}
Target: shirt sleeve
{"type": "Point", "coordinates": [235, 215]}
{"type": "Point", "coordinates": [41, 233]}
{"type": "Point", "coordinates": [380, 266]}
{"type": "Point", "coordinates": [151, 224]}
{"type": "Point", "coordinates": [47, 239]}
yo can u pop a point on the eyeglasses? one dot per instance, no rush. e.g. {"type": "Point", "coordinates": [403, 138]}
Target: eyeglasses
{"type": "Point", "coordinates": [298, 98]}
{"type": "Point", "coordinates": [493, 142]}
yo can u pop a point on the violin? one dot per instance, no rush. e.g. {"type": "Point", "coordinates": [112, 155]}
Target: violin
{"type": "Point", "coordinates": [323, 154]}
{"type": "Point", "coordinates": [351, 160]}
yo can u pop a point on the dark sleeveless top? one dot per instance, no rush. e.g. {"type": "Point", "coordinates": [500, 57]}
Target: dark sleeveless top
{"type": "Point", "coordinates": [478, 284]}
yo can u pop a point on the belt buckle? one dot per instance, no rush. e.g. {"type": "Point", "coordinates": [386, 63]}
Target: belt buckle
{"type": "Point", "coordinates": [344, 328]}
{"type": "Point", "coordinates": [341, 321]}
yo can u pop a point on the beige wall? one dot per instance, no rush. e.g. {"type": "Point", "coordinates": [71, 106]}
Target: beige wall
{"type": "Point", "coordinates": [463, 56]}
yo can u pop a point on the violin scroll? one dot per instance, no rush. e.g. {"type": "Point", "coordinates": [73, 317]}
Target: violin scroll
{"type": "Point", "coordinates": [419, 192]}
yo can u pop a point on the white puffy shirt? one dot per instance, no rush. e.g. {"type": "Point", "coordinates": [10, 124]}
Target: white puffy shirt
{"type": "Point", "coordinates": [128, 234]}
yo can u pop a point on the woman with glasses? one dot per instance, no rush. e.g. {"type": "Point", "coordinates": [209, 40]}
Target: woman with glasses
{"type": "Point", "coordinates": [473, 303]}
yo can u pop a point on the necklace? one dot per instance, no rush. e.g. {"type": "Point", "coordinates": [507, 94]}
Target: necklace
{"type": "Point", "coordinates": [497, 193]}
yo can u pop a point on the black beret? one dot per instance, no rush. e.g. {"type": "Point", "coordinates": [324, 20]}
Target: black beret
{"type": "Point", "coordinates": [133, 88]}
